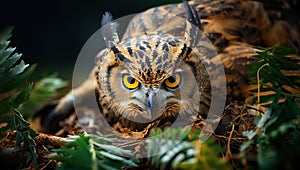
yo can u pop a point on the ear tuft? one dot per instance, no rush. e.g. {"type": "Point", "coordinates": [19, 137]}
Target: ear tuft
{"type": "Point", "coordinates": [192, 15]}
{"type": "Point", "coordinates": [109, 30]}
{"type": "Point", "coordinates": [193, 24]}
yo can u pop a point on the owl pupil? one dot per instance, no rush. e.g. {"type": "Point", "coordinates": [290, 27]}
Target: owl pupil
{"type": "Point", "coordinates": [172, 79]}
{"type": "Point", "coordinates": [130, 80]}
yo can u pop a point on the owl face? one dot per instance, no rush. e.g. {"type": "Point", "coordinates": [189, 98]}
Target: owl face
{"type": "Point", "coordinates": [150, 80]}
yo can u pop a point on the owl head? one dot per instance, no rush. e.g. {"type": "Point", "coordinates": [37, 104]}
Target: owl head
{"type": "Point", "coordinates": [149, 77]}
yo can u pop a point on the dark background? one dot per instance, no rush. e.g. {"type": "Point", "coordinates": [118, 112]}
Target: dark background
{"type": "Point", "coordinates": [52, 32]}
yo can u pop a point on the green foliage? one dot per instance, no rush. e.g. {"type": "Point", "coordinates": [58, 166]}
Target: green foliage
{"type": "Point", "coordinates": [277, 134]}
{"type": "Point", "coordinates": [206, 157]}
{"type": "Point", "coordinates": [171, 149]}
{"type": "Point", "coordinates": [273, 77]}
{"type": "Point", "coordinates": [43, 91]}
{"type": "Point", "coordinates": [92, 152]}
{"type": "Point", "coordinates": [14, 91]}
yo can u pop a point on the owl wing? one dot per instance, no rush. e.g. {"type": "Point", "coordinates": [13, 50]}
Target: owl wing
{"type": "Point", "coordinates": [258, 23]}
{"type": "Point", "coordinates": [234, 27]}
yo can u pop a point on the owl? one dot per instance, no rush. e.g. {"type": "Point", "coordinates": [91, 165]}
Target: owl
{"type": "Point", "coordinates": [164, 69]}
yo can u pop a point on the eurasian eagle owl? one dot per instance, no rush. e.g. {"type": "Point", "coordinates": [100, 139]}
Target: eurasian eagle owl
{"type": "Point", "coordinates": [163, 69]}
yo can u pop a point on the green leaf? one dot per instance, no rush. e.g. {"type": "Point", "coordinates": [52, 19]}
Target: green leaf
{"type": "Point", "coordinates": [18, 68]}
{"type": "Point", "coordinates": [117, 158]}
{"type": "Point", "coordinates": [4, 45]}
{"type": "Point", "coordinates": [17, 80]}
{"type": "Point", "coordinates": [263, 119]}
{"type": "Point", "coordinates": [43, 91]}
{"type": "Point", "coordinates": [174, 152]}
{"type": "Point", "coordinates": [166, 151]}
{"type": "Point", "coordinates": [14, 92]}
{"type": "Point", "coordinates": [77, 154]}
{"type": "Point", "coordinates": [12, 60]}
{"type": "Point", "coordinates": [113, 149]}
{"type": "Point", "coordinates": [84, 152]}
{"type": "Point", "coordinates": [249, 134]}
{"type": "Point", "coordinates": [246, 145]}
{"type": "Point", "coordinates": [277, 130]}
{"type": "Point", "coordinates": [22, 96]}
{"type": "Point", "coordinates": [4, 55]}
{"type": "Point", "coordinates": [267, 157]}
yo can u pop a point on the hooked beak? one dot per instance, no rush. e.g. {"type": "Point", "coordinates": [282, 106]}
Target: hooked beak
{"type": "Point", "coordinates": [150, 102]}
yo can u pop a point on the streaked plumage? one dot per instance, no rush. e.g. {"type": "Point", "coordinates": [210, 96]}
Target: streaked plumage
{"type": "Point", "coordinates": [147, 57]}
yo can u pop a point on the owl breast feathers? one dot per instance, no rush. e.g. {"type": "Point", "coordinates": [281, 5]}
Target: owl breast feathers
{"type": "Point", "coordinates": [154, 74]}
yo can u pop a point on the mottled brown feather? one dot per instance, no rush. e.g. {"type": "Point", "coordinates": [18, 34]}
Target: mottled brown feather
{"type": "Point", "coordinates": [232, 26]}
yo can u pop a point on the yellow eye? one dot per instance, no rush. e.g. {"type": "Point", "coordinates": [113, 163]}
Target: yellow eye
{"type": "Point", "coordinates": [129, 82]}
{"type": "Point", "coordinates": [173, 82]}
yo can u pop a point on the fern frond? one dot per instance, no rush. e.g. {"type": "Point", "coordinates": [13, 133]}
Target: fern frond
{"type": "Point", "coordinates": [278, 129]}
{"type": "Point", "coordinates": [170, 149]}
{"type": "Point", "coordinates": [92, 152]}
{"type": "Point", "coordinates": [281, 77]}
{"type": "Point", "coordinates": [14, 91]}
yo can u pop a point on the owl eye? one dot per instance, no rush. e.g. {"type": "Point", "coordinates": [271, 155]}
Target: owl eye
{"type": "Point", "coordinates": [129, 82]}
{"type": "Point", "coordinates": [173, 82]}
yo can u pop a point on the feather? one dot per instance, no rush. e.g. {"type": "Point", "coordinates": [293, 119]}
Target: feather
{"type": "Point", "coordinates": [193, 23]}
{"type": "Point", "coordinates": [192, 15]}
{"type": "Point", "coordinates": [109, 30]}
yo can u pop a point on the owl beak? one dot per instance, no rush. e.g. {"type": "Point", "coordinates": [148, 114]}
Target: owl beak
{"type": "Point", "coordinates": [150, 102]}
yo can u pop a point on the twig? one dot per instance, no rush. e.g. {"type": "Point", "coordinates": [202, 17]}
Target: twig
{"type": "Point", "coordinates": [44, 139]}
{"type": "Point", "coordinates": [228, 153]}
{"type": "Point", "coordinates": [258, 84]}
{"type": "Point", "coordinates": [47, 165]}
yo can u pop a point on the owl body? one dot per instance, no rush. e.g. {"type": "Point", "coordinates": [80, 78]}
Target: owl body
{"type": "Point", "coordinates": [154, 74]}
